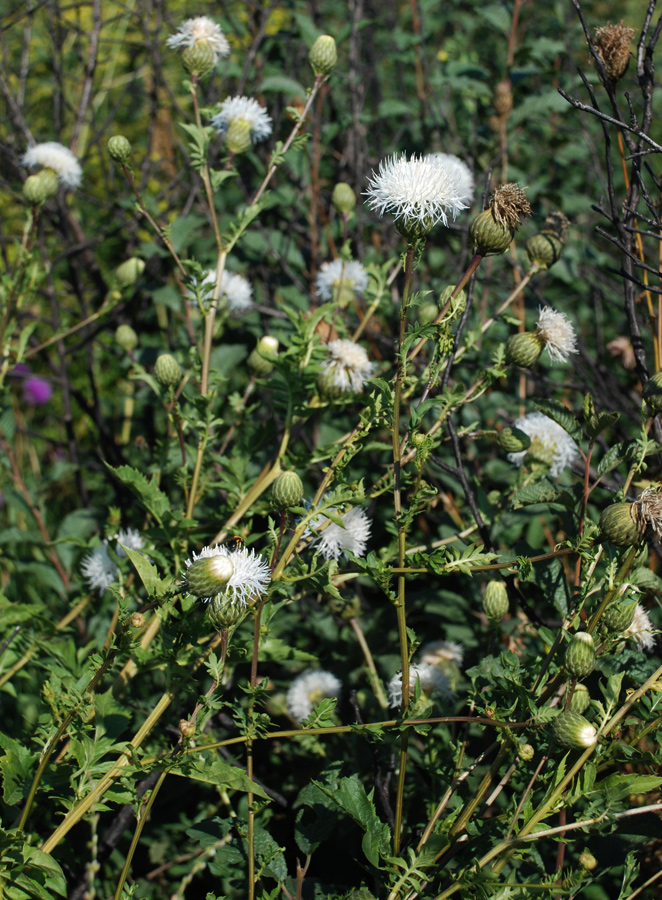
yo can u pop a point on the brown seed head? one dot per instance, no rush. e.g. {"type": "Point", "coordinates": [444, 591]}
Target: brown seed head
{"type": "Point", "coordinates": [556, 223]}
{"type": "Point", "coordinates": [612, 43]}
{"type": "Point", "coordinates": [647, 510]}
{"type": "Point", "coordinates": [509, 206]}
{"type": "Point", "coordinates": [503, 98]}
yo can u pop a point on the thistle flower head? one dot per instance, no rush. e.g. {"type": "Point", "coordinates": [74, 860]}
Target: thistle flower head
{"type": "Point", "coordinates": [647, 511]}
{"type": "Point", "coordinates": [439, 652]}
{"type": "Point", "coordinates": [509, 206]}
{"type": "Point", "coordinates": [417, 191]}
{"type": "Point", "coordinates": [334, 539]}
{"type": "Point", "coordinates": [309, 689]}
{"type": "Point", "coordinates": [249, 580]}
{"type": "Point", "coordinates": [131, 538]}
{"type": "Point", "coordinates": [347, 367]}
{"type": "Point", "coordinates": [61, 160]}
{"type": "Point", "coordinates": [99, 571]}
{"type": "Point", "coordinates": [557, 333]}
{"type": "Point", "coordinates": [459, 169]}
{"type": "Point", "coordinates": [549, 443]}
{"type": "Point", "coordinates": [200, 28]}
{"type": "Point", "coordinates": [244, 110]}
{"type": "Point", "coordinates": [641, 630]}
{"type": "Point", "coordinates": [36, 391]}
{"type": "Point", "coordinates": [612, 43]}
{"type": "Point", "coordinates": [236, 293]}
{"type": "Point", "coordinates": [339, 277]}
{"type": "Point", "coordinates": [433, 682]}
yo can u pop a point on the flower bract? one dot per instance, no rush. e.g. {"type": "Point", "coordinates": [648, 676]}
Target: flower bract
{"type": "Point", "coordinates": [61, 160]}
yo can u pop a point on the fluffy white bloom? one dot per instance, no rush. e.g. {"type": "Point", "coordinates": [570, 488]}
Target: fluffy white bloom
{"type": "Point", "coordinates": [641, 629]}
{"type": "Point", "coordinates": [334, 539]}
{"type": "Point", "coordinates": [439, 652]}
{"type": "Point", "coordinates": [247, 110]}
{"type": "Point", "coordinates": [558, 334]}
{"type": "Point", "coordinates": [433, 681]}
{"type": "Point", "coordinates": [339, 275]}
{"type": "Point", "coordinates": [98, 568]}
{"type": "Point", "coordinates": [465, 185]}
{"type": "Point", "coordinates": [416, 190]}
{"type": "Point", "coordinates": [308, 689]}
{"type": "Point", "coordinates": [347, 367]}
{"type": "Point", "coordinates": [250, 577]}
{"type": "Point", "coordinates": [61, 160]}
{"type": "Point", "coordinates": [200, 29]}
{"type": "Point", "coordinates": [549, 443]}
{"type": "Point", "coordinates": [236, 291]}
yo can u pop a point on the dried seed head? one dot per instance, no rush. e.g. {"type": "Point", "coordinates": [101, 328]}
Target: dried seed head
{"type": "Point", "coordinates": [613, 43]}
{"type": "Point", "coordinates": [509, 205]}
{"type": "Point", "coordinates": [503, 98]}
{"type": "Point", "coordinates": [647, 510]}
{"type": "Point", "coordinates": [556, 223]}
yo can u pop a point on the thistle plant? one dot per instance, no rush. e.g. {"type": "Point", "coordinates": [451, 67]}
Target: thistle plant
{"type": "Point", "coordinates": [331, 545]}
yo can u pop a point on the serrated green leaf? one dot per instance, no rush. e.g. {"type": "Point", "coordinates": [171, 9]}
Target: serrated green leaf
{"type": "Point", "coordinates": [597, 424]}
{"type": "Point", "coordinates": [217, 772]}
{"type": "Point", "coordinates": [616, 787]}
{"type": "Point", "coordinates": [154, 586]}
{"type": "Point", "coordinates": [561, 415]}
{"type": "Point", "coordinates": [153, 499]}
{"type": "Point", "coordinates": [612, 458]}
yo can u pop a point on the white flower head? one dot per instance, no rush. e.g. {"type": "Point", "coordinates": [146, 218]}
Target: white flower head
{"type": "Point", "coordinates": [308, 689]}
{"type": "Point", "coordinates": [98, 569]}
{"type": "Point", "coordinates": [200, 28]}
{"type": "Point", "coordinates": [61, 160]}
{"type": "Point", "coordinates": [433, 682]}
{"type": "Point", "coordinates": [549, 443]}
{"type": "Point", "coordinates": [347, 366]}
{"type": "Point", "coordinates": [250, 577]}
{"type": "Point", "coordinates": [557, 333]}
{"type": "Point", "coordinates": [236, 293]}
{"type": "Point", "coordinates": [247, 110]}
{"type": "Point", "coordinates": [416, 190]}
{"type": "Point", "coordinates": [641, 630]}
{"type": "Point", "coordinates": [339, 276]}
{"type": "Point", "coordinates": [439, 652]}
{"type": "Point", "coordinates": [465, 185]}
{"type": "Point", "coordinates": [334, 539]}
{"type": "Point", "coordinates": [131, 538]}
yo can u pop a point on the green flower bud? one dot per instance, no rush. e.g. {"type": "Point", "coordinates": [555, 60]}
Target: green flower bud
{"type": "Point", "coordinates": [137, 620]}
{"type": "Point", "coordinates": [572, 730]}
{"type": "Point", "coordinates": [287, 491]}
{"type": "Point", "coordinates": [119, 148]}
{"type": "Point", "coordinates": [199, 59]}
{"type": "Point", "coordinates": [544, 249]}
{"type": "Point", "coordinates": [261, 360]}
{"type": "Point", "coordinates": [490, 237]}
{"type": "Point", "coordinates": [524, 349]}
{"type": "Point", "coordinates": [513, 440]}
{"type": "Point", "coordinates": [343, 198]}
{"type": "Point", "coordinates": [652, 392]}
{"type": "Point", "coordinates": [580, 655]}
{"type": "Point", "coordinates": [224, 610]}
{"type": "Point", "coordinates": [186, 728]}
{"type": "Point", "coordinates": [618, 525]}
{"type": "Point", "coordinates": [414, 229]}
{"type": "Point", "coordinates": [526, 752]}
{"type": "Point", "coordinates": [238, 136]}
{"type": "Point", "coordinates": [128, 272]}
{"type": "Point", "coordinates": [427, 312]}
{"type": "Point", "coordinates": [327, 387]}
{"type": "Point", "coordinates": [587, 861]}
{"type": "Point", "coordinates": [40, 187]}
{"type": "Point", "coordinates": [580, 700]}
{"type": "Point", "coordinates": [208, 576]}
{"type": "Point", "coordinates": [458, 304]}
{"type": "Point", "coordinates": [323, 55]}
{"type": "Point", "coordinates": [167, 371]}
{"type": "Point", "coordinates": [495, 601]}
{"type": "Point", "coordinates": [619, 616]}
{"type": "Point", "coordinates": [126, 338]}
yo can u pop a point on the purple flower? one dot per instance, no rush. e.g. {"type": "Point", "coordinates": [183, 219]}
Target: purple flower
{"type": "Point", "coordinates": [36, 391]}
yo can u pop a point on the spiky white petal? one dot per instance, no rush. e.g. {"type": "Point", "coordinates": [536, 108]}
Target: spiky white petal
{"type": "Point", "coordinates": [432, 680]}
{"type": "Point", "coordinates": [348, 365]}
{"type": "Point", "coordinates": [98, 569]}
{"type": "Point", "coordinates": [641, 629]}
{"type": "Point", "coordinates": [131, 538]}
{"type": "Point", "coordinates": [309, 689]}
{"type": "Point", "coordinates": [201, 28]}
{"type": "Point", "coordinates": [416, 190]}
{"type": "Point", "coordinates": [61, 160]}
{"type": "Point", "coordinates": [249, 580]}
{"type": "Point", "coordinates": [334, 539]}
{"type": "Point", "coordinates": [437, 652]}
{"type": "Point", "coordinates": [465, 183]}
{"type": "Point", "coordinates": [548, 440]}
{"type": "Point", "coordinates": [338, 274]}
{"type": "Point", "coordinates": [246, 109]}
{"type": "Point", "coordinates": [557, 332]}
{"type": "Point", "coordinates": [236, 291]}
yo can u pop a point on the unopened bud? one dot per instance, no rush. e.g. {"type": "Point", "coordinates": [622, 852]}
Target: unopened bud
{"type": "Point", "coordinates": [495, 601]}
{"type": "Point", "coordinates": [287, 491]}
{"type": "Point", "coordinates": [490, 237]}
{"type": "Point", "coordinates": [343, 198]}
{"type": "Point", "coordinates": [199, 59]}
{"type": "Point", "coordinates": [323, 55]}
{"type": "Point", "coordinates": [186, 728]}
{"type": "Point", "coordinates": [580, 655]}
{"type": "Point", "coordinates": [208, 575]}
{"type": "Point", "coordinates": [126, 338]}
{"type": "Point", "coordinates": [587, 861]}
{"type": "Point", "coordinates": [261, 360]}
{"type": "Point", "coordinates": [119, 148]}
{"type": "Point", "coordinates": [618, 525]}
{"type": "Point", "coordinates": [572, 730]}
{"type": "Point", "coordinates": [526, 752]}
{"type": "Point", "coordinates": [40, 187]}
{"type": "Point", "coordinates": [128, 272]}
{"type": "Point", "coordinates": [137, 620]}
{"type": "Point", "coordinates": [524, 349]}
{"type": "Point", "coordinates": [167, 370]}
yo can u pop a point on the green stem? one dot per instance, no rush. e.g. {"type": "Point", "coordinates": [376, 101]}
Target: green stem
{"type": "Point", "coordinates": [146, 809]}
{"type": "Point", "coordinates": [375, 680]}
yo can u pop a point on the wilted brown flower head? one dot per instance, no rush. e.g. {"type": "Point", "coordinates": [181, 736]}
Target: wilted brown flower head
{"type": "Point", "coordinates": [503, 98]}
{"type": "Point", "coordinates": [509, 205]}
{"type": "Point", "coordinates": [647, 510]}
{"type": "Point", "coordinates": [612, 43]}
{"type": "Point", "coordinates": [556, 223]}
